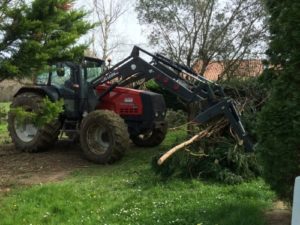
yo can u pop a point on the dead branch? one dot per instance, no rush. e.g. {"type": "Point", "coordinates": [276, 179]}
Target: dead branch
{"type": "Point", "coordinates": [210, 130]}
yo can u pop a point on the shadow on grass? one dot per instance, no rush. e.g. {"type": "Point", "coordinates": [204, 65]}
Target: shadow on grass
{"type": "Point", "coordinates": [187, 213]}
{"type": "Point", "coordinates": [239, 213]}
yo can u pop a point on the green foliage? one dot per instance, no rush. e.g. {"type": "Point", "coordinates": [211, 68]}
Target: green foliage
{"type": "Point", "coordinates": [176, 118]}
{"type": "Point", "coordinates": [4, 107]}
{"type": "Point", "coordinates": [4, 137]}
{"type": "Point", "coordinates": [48, 112]}
{"type": "Point", "coordinates": [35, 34]}
{"type": "Point", "coordinates": [219, 158]}
{"type": "Point", "coordinates": [172, 100]}
{"type": "Point", "coordinates": [278, 125]}
{"type": "Point", "coordinates": [3, 113]}
{"type": "Point", "coordinates": [250, 94]}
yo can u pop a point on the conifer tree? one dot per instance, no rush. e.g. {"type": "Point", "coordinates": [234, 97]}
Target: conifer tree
{"type": "Point", "coordinates": [279, 122]}
{"type": "Point", "coordinates": [33, 35]}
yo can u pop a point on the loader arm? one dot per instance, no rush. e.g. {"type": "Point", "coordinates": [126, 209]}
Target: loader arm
{"type": "Point", "coordinates": [179, 80]}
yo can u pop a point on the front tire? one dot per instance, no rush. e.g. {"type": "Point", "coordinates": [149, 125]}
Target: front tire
{"type": "Point", "coordinates": [27, 137]}
{"type": "Point", "coordinates": [104, 137]}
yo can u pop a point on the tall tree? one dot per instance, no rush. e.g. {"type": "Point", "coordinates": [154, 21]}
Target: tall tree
{"type": "Point", "coordinates": [279, 122]}
{"type": "Point", "coordinates": [108, 13]}
{"type": "Point", "coordinates": [33, 35]}
{"type": "Point", "coordinates": [201, 30]}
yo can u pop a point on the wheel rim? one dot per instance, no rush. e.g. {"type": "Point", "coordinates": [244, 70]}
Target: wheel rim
{"type": "Point", "coordinates": [26, 131]}
{"type": "Point", "coordinates": [145, 136]}
{"type": "Point", "coordinates": [98, 139]}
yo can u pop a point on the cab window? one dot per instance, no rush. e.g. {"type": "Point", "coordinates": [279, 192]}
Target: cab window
{"type": "Point", "coordinates": [92, 70]}
{"type": "Point", "coordinates": [42, 78]}
{"type": "Point", "coordinates": [61, 75]}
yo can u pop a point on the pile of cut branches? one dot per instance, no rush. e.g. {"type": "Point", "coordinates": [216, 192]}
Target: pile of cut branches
{"type": "Point", "coordinates": [215, 152]}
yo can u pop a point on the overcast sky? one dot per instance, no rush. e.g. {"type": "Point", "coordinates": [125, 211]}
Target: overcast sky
{"type": "Point", "coordinates": [127, 28]}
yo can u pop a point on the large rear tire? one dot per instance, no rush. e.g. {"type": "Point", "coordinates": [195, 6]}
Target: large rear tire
{"type": "Point", "coordinates": [103, 136]}
{"type": "Point", "coordinates": [27, 137]}
{"type": "Point", "coordinates": [151, 138]}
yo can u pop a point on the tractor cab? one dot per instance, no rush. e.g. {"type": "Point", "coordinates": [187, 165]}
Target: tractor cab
{"type": "Point", "coordinates": [69, 81]}
{"type": "Point", "coordinates": [66, 74]}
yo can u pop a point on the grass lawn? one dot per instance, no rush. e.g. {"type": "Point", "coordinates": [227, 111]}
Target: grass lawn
{"type": "Point", "coordinates": [128, 192]}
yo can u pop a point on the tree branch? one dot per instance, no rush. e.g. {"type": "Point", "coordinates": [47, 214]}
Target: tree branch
{"type": "Point", "coordinates": [204, 133]}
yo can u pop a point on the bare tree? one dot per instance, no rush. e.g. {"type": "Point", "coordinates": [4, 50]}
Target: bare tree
{"type": "Point", "coordinates": [108, 12]}
{"type": "Point", "coordinates": [202, 31]}
{"type": "Point", "coordinates": [205, 30]}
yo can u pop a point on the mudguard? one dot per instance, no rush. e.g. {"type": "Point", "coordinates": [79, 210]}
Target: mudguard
{"type": "Point", "coordinates": [49, 91]}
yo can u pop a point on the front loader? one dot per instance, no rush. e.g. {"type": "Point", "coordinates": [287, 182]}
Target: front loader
{"type": "Point", "coordinates": [105, 114]}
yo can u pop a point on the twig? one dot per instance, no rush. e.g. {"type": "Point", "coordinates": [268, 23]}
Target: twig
{"type": "Point", "coordinates": [200, 155]}
{"type": "Point", "coordinates": [180, 126]}
{"type": "Point", "coordinates": [262, 101]}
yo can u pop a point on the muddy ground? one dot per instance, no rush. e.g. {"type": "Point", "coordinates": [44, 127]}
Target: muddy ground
{"type": "Point", "coordinates": [19, 168]}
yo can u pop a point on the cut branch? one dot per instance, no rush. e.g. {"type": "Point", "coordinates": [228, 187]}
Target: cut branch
{"type": "Point", "coordinates": [210, 130]}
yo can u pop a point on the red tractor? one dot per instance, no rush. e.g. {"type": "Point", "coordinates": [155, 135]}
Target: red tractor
{"type": "Point", "coordinates": [105, 114]}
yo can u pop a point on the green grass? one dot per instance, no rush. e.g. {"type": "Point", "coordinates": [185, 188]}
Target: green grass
{"type": "Point", "coordinates": [4, 107]}
{"type": "Point", "coordinates": [130, 193]}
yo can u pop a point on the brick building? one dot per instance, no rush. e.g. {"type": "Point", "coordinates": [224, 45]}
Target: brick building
{"type": "Point", "coordinates": [244, 68]}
